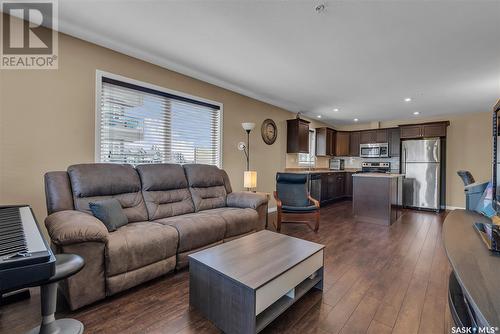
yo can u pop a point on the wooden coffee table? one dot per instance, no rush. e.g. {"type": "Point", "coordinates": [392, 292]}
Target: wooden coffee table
{"type": "Point", "coordinates": [244, 284]}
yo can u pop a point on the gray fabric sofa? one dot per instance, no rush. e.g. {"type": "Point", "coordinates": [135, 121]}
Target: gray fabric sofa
{"type": "Point", "coordinates": [172, 210]}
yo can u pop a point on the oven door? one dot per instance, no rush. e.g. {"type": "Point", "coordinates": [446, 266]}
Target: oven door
{"type": "Point", "coordinates": [369, 151]}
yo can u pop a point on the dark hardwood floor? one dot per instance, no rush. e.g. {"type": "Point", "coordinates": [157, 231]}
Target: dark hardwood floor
{"type": "Point", "coordinates": [378, 279]}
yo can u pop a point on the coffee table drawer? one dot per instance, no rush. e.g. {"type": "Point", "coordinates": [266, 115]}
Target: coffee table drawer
{"type": "Point", "coordinates": [281, 285]}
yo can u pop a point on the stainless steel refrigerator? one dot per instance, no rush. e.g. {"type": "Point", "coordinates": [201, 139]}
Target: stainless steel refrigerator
{"type": "Point", "coordinates": [421, 164]}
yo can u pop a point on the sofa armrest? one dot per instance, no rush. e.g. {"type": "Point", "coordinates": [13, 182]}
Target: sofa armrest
{"type": "Point", "coordinates": [70, 227]}
{"type": "Point", "coordinates": [245, 199]}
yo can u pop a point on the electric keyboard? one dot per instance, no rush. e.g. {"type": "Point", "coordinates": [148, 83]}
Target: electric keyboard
{"type": "Point", "coordinates": [25, 257]}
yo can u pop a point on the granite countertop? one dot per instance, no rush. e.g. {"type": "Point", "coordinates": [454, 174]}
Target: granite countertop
{"type": "Point", "coordinates": [386, 175]}
{"type": "Point", "coordinates": [321, 171]}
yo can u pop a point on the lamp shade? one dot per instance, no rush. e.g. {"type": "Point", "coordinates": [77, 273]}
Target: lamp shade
{"type": "Point", "coordinates": [250, 179]}
{"type": "Point", "coordinates": [248, 126]}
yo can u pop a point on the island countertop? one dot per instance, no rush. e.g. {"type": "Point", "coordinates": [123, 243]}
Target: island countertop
{"type": "Point", "coordinates": [322, 171]}
{"type": "Point", "coordinates": [387, 175]}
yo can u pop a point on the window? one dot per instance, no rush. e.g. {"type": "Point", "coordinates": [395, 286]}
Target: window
{"type": "Point", "coordinates": [138, 123]}
{"type": "Point", "coordinates": [308, 159]}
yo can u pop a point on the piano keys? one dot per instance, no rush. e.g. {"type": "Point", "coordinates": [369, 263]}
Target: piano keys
{"type": "Point", "coordinates": [25, 256]}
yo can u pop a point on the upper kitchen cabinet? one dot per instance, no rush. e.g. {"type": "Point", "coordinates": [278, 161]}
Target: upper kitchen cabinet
{"type": "Point", "coordinates": [373, 136]}
{"type": "Point", "coordinates": [367, 137]}
{"type": "Point", "coordinates": [297, 136]}
{"type": "Point", "coordinates": [435, 129]}
{"type": "Point", "coordinates": [394, 142]}
{"type": "Point", "coordinates": [354, 141]}
{"type": "Point", "coordinates": [325, 142]}
{"type": "Point", "coordinates": [410, 131]}
{"type": "Point", "coordinates": [342, 148]}
{"type": "Point", "coordinates": [424, 130]}
{"type": "Point", "coordinates": [381, 136]}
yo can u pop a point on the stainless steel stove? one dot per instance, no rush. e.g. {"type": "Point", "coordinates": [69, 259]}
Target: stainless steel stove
{"type": "Point", "coordinates": [375, 167]}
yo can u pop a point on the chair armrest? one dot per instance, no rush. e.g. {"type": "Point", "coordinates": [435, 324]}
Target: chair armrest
{"type": "Point", "coordinates": [70, 227]}
{"type": "Point", "coordinates": [313, 200]}
{"type": "Point", "coordinates": [244, 199]}
{"type": "Point", "coordinates": [279, 204]}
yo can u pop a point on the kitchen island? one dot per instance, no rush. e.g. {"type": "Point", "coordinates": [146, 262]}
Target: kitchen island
{"type": "Point", "coordinates": [377, 197]}
{"type": "Point", "coordinates": [328, 186]}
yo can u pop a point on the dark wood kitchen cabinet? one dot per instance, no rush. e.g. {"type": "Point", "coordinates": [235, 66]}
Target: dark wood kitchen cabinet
{"type": "Point", "coordinates": [297, 139]}
{"type": "Point", "coordinates": [354, 141]}
{"type": "Point", "coordinates": [327, 187]}
{"type": "Point", "coordinates": [410, 131]}
{"type": "Point", "coordinates": [325, 142]}
{"type": "Point", "coordinates": [335, 186]}
{"type": "Point", "coordinates": [381, 136]}
{"type": "Point", "coordinates": [434, 130]}
{"type": "Point", "coordinates": [368, 137]}
{"type": "Point", "coordinates": [339, 186]}
{"type": "Point", "coordinates": [342, 148]}
{"type": "Point", "coordinates": [374, 136]}
{"type": "Point", "coordinates": [394, 142]}
{"type": "Point", "coordinates": [424, 130]}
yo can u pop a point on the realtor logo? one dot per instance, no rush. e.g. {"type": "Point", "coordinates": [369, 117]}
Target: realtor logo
{"type": "Point", "coordinates": [29, 35]}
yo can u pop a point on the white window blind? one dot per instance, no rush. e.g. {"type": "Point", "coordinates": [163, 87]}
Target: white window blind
{"type": "Point", "coordinates": [142, 125]}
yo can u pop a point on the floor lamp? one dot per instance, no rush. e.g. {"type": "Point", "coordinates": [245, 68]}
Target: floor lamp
{"type": "Point", "coordinates": [249, 176]}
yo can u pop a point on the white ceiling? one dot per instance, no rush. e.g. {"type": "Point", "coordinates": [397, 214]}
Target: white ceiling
{"type": "Point", "coordinates": [363, 57]}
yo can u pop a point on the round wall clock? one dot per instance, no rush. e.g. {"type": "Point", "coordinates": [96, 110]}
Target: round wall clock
{"type": "Point", "coordinates": [269, 131]}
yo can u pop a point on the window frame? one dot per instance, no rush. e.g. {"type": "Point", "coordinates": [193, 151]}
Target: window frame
{"type": "Point", "coordinates": [97, 112]}
{"type": "Point", "coordinates": [312, 145]}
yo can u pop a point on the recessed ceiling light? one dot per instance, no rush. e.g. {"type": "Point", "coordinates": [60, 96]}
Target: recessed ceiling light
{"type": "Point", "coordinates": [320, 8]}
{"type": "Point", "coordinates": [407, 99]}
{"type": "Point", "coordinates": [355, 120]}
{"type": "Point", "coordinates": [319, 116]}
{"type": "Point", "coordinates": [416, 113]}
{"type": "Point", "coordinates": [335, 109]}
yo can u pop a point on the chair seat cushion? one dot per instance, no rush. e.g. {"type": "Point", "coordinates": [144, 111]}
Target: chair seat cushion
{"type": "Point", "coordinates": [238, 220]}
{"type": "Point", "coordinates": [196, 229]}
{"type": "Point", "coordinates": [136, 245]}
{"type": "Point", "coordinates": [298, 209]}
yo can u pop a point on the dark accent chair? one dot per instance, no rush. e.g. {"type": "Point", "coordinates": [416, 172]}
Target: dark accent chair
{"type": "Point", "coordinates": [295, 205]}
{"type": "Point", "coordinates": [466, 177]}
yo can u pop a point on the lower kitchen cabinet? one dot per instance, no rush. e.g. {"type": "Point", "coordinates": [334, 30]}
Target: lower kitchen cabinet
{"type": "Point", "coordinates": [335, 186]}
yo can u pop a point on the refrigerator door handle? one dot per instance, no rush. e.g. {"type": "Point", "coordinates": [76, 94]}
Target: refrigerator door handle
{"type": "Point", "coordinates": [404, 160]}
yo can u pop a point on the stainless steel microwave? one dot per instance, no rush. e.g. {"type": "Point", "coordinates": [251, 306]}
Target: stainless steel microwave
{"type": "Point", "coordinates": [379, 150]}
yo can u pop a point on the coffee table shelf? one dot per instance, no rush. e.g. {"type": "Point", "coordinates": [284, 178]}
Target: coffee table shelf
{"type": "Point", "coordinates": [243, 285]}
{"type": "Point", "coordinates": [282, 304]}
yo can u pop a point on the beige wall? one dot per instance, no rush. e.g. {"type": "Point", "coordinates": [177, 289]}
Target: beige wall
{"type": "Point", "coordinates": [468, 144]}
{"type": "Point", "coordinates": [47, 120]}
{"type": "Point", "coordinates": [47, 123]}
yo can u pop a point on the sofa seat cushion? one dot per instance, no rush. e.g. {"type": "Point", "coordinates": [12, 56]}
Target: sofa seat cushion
{"type": "Point", "coordinates": [196, 229]}
{"type": "Point", "coordinates": [136, 245]}
{"type": "Point", "coordinates": [238, 220]}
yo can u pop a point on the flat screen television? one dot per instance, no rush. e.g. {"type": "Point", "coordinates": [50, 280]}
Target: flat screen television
{"type": "Point", "coordinates": [496, 159]}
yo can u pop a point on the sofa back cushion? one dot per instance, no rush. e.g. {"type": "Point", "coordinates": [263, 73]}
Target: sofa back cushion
{"type": "Point", "coordinates": [95, 182]}
{"type": "Point", "coordinates": [207, 187]}
{"type": "Point", "coordinates": [165, 190]}
{"type": "Point", "coordinates": [58, 194]}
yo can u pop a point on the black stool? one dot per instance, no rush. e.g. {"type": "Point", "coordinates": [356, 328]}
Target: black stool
{"type": "Point", "coordinates": [66, 266]}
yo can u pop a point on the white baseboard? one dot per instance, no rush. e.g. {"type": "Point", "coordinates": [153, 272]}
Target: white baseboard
{"type": "Point", "coordinates": [449, 207]}
{"type": "Point", "coordinates": [273, 209]}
